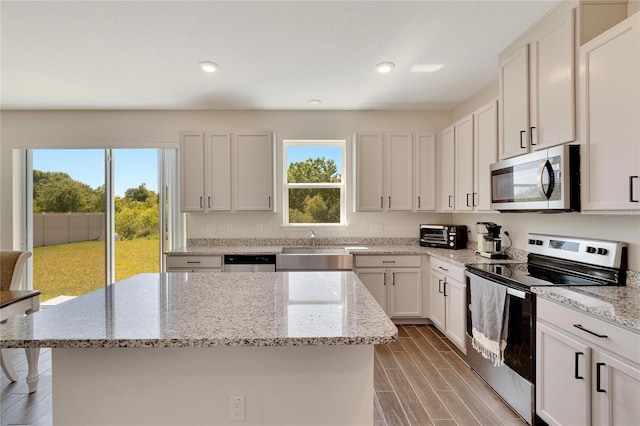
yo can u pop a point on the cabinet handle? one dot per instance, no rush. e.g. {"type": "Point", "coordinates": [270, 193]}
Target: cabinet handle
{"type": "Point", "coordinates": [388, 261]}
{"type": "Point", "coordinates": [444, 269]}
{"type": "Point", "coordinates": [522, 132]}
{"type": "Point", "coordinates": [631, 199]}
{"type": "Point", "coordinates": [444, 287]}
{"type": "Point", "coordinates": [440, 286]}
{"type": "Point", "coordinates": [450, 196]}
{"type": "Point", "coordinates": [531, 137]}
{"type": "Point", "coordinates": [598, 377]}
{"type": "Point", "coordinates": [201, 202]}
{"type": "Point", "coordinates": [381, 202]}
{"type": "Point", "coordinates": [384, 278]}
{"type": "Point", "coordinates": [393, 278]}
{"type": "Point", "coordinates": [580, 327]}
{"type": "Point", "coordinates": [389, 202]}
{"type": "Point", "coordinates": [193, 261]}
{"type": "Point", "coordinates": [269, 201]}
{"type": "Point", "coordinates": [209, 202]}
{"type": "Point", "coordinates": [473, 200]}
{"type": "Point", "coordinates": [418, 201]}
{"type": "Point", "coordinates": [468, 205]}
{"type": "Point", "coordinates": [575, 374]}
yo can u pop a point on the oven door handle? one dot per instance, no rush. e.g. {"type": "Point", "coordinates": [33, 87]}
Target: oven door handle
{"type": "Point", "coordinates": [516, 293]}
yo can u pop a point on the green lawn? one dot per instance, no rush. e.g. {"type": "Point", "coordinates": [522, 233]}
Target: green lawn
{"type": "Point", "coordinates": [77, 268]}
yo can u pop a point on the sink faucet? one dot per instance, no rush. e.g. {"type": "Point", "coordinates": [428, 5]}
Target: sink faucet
{"type": "Point", "coordinates": [313, 238]}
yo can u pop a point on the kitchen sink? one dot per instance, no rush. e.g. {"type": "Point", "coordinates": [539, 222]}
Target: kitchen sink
{"type": "Point", "coordinates": [314, 259]}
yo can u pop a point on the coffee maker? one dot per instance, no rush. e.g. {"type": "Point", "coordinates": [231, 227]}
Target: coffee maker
{"type": "Point", "coordinates": [489, 241]}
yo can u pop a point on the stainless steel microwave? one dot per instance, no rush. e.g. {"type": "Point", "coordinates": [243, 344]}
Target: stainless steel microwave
{"type": "Point", "coordinates": [545, 180]}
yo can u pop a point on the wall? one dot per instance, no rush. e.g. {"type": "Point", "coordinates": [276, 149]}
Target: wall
{"type": "Point", "coordinates": [137, 129]}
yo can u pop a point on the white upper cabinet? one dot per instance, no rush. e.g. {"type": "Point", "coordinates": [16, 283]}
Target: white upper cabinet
{"type": "Point", "coordinates": [385, 172]}
{"type": "Point", "coordinates": [463, 164]}
{"type": "Point", "coordinates": [254, 171]}
{"type": "Point", "coordinates": [369, 157]}
{"type": "Point", "coordinates": [610, 118]}
{"type": "Point", "coordinates": [192, 166]}
{"type": "Point", "coordinates": [399, 171]}
{"type": "Point", "coordinates": [425, 172]}
{"type": "Point", "coordinates": [552, 110]}
{"type": "Point", "coordinates": [514, 103]}
{"type": "Point", "coordinates": [485, 152]}
{"type": "Point", "coordinates": [446, 169]}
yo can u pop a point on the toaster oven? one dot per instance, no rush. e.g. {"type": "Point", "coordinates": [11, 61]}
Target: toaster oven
{"type": "Point", "coordinates": [452, 237]}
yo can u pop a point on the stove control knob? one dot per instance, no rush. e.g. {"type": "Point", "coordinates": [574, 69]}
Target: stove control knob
{"type": "Point", "coordinates": [532, 241]}
{"type": "Point", "coordinates": [451, 244]}
{"type": "Point", "coordinates": [538, 242]}
{"type": "Point", "coordinates": [603, 251]}
{"type": "Point", "coordinates": [591, 249]}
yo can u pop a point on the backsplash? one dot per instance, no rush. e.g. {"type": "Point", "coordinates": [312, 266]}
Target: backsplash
{"type": "Point", "coordinates": [338, 241]}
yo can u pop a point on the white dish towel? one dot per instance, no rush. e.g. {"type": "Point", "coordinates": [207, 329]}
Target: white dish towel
{"type": "Point", "coordinates": [489, 319]}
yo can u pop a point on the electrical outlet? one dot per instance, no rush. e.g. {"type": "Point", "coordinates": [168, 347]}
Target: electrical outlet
{"type": "Point", "coordinates": [229, 227]}
{"type": "Point", "coordinates": [211, 227]}
{"type": "Point", "coordinates": [237, 408]}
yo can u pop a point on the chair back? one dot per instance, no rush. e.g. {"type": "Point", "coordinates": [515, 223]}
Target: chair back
{"type": "Point", "coordinates": [12, 264]}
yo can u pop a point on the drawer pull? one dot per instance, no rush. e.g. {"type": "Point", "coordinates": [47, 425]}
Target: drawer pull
{"type": "Point", "coordinates": [580, 327]}
{"type": "Point", "coordinates": [193, 261]}
{"type": "Point", "coordinates": [444, 269]}
{"type": "Point", "coordinates": [388, 261]}
{"type": "Point", "coordinates": [598, 376]}
{"type": "Point", "coordinates": [575, 374]}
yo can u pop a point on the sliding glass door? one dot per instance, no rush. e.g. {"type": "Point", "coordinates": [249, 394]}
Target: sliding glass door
{"type": "Point", "coordinates": [95, 216]}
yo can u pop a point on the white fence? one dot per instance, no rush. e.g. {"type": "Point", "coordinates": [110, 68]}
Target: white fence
{"type": "Point", "coordinates": [62, 228]}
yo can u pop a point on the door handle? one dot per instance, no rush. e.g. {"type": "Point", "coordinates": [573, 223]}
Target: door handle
{"type": "Point", "coordinates": [531, 137]}
{"type": "Point", "coordinates": [473, 200]}
{"type": "Point", "coordinates": [381, 202]}
{"type": "Point", "coordinates": [440, 286]}
{"type": "Point", "coordinates": [393, 278]}
{"type": "Point", "coordinates": [631, 199]}
{"type": "Point", "coordinates": [418, 201]}
{"type": "Point", "coordinates": [598, 377]}
{"type": "Point", "coordinates": [468, 205]}
{"type": "Point", "coordinates": [201, 202]}
{"type": "Point", "coordinates": [269, 201]}
{"type": "Point", "coordinates": [444, 287]}
{"type": "Point", "coordinates": [450, 196]}
{"type": "Point", "coordinates": [209, 202]}
{"type": "Point", "coordinates": [546, 165]}
{"type": "Point", "coordinates": [384, 278]}
{"type": "Point", "coordinates": [389, 202]}
{"type": "Point", "coordinates": [575, 373]}
{"type": "Point", "coordinates": [522, 132]}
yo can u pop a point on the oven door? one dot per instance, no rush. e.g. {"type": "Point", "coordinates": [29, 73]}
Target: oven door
{"type": "Point", "coordinates": [434, 236]}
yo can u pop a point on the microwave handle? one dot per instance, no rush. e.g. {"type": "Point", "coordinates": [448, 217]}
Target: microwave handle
{"type": "Point", "coordinates": [546, 166]}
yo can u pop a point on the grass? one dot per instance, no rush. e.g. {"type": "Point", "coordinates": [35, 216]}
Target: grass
{"type": "Point", "coordinates": [77, 268]}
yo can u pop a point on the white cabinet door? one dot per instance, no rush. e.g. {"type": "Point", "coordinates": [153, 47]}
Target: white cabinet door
{"type": "Point", "coordinates": [369, 171]}
{"type": "Point", "coordinates": [375, 280]}
{"type": "Point", "coordinates": [610, 93]}
{"type": "Point", "coordinates": [399, 171]}
{"type": "Point", "coordinates": [425, 172]}
{"type": "Point", "coordinates": [217, 154]}
{"type": "Point", "coordinates": [192, 171]}
{"type": "Point", "coordinates": [254, 171]}
{"type": "Point", "coordinates": [485, 130]}
{"type": "Point", "coordinates": [562, 378]}
{"type": "Point", "coordinates": [406, 293]}
{"type": "Point", "coordinates": [446, 169]}
{"type": "Point", "coordinates": [436, 300]}
{"type": "Point", "coordinates": [553, 108]}
{"type": "Point", "coordinates": [514, 103]}
{"type": "Point", "coordinates": [464, 164]}
{"type": "Point", "coordinates": [616, 391]}
{"type": "Point", "coordinates": [455, 295]}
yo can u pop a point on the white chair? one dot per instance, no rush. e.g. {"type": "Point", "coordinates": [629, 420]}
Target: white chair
{"type": "Point", "coordinates": [12, 265]}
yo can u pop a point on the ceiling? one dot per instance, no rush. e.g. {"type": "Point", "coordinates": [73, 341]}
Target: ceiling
{"type": "Point", "coordinates": [272, 54]}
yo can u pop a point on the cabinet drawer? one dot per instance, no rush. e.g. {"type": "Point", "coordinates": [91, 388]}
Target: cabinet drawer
{"type": "Point", "coordinates": [448, 269]}
{"type": "Point", "coordinates": [194, 262]}
{"type": "Point", "coordinates": [619, 341]}
{"type": "Point", "coordinates": [388, 261]}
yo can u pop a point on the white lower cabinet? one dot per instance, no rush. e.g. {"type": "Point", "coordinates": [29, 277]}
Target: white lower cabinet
{"type": "Point", "coordinates": [394, 281]}
{"type": "Point", "coordinates": [194, 263]}
{"type": "Point", "coordinates": [448, 299]}
{"type": "Point", "coordinates": [587, 370]}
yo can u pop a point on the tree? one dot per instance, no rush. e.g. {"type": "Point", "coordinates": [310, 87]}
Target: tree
{"type": "Point", "coordinates": [314, 205]}
{"type": "Point", "coordinates": [141, 193]}
{"type": "Point", "coordinates": [58, 192]}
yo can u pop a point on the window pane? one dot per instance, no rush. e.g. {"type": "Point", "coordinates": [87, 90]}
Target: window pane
{"type": "Point", "coordinates": [314, 205]}
{"type": "Point", "coordinates": [314, 164]}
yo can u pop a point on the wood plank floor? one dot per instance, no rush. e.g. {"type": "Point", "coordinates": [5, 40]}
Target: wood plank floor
{"type": "Point", "coordinates": [419, 380]}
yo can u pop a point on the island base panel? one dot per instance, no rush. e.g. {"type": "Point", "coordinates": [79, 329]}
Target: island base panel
{"type": "Point", "coordinates": [285, 385]}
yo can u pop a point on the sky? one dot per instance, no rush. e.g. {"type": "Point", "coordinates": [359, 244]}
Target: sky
{"type": "Point", "coordinates": [296, 154]}
{"type": "Point", "coordinates": [132, 166]}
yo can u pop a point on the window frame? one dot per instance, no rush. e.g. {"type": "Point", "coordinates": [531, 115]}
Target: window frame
{"type": "Point", "coordinates": [342, 185]}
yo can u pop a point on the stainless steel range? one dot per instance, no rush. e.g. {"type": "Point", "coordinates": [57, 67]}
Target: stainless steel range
{"type": "Point", "coordinates": [552, 261]}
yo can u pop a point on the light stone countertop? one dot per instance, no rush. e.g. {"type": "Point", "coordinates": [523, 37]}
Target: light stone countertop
{"type": "Point", "coordinates": [620, 305]}
{"type": "Point", "coordinates": [210, 309]}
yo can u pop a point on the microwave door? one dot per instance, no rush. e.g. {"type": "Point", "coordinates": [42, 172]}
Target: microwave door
{"type": "Point", "coordinates": [518, 185]}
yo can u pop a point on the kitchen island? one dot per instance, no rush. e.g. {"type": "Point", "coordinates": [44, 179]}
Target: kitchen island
{"type": "Point", "coordinates": [175, 348]}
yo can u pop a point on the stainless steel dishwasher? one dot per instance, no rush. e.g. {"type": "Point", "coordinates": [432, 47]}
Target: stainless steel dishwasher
{"type": "Point", "coordinates": [249, 263]}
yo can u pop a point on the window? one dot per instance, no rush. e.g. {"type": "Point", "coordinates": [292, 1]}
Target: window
{"type": "Point", "coordinates": [314, 182]}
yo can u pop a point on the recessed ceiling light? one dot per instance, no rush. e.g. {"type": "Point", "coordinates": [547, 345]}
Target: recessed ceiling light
{"type": "Point", "coordinates": [385, 67]}
{"type": "Point", "coordinates": [208, 66]}
{"type": "Point", "coordinates": [314, 101]}
{"type": "Point", "coordinates": [426, 67]}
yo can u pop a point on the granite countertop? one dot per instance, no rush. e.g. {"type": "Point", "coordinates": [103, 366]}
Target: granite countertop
{"type": "Point", "coordinates": [210, 309]}
{"type": "Point", "coordinates": [620, 305]}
